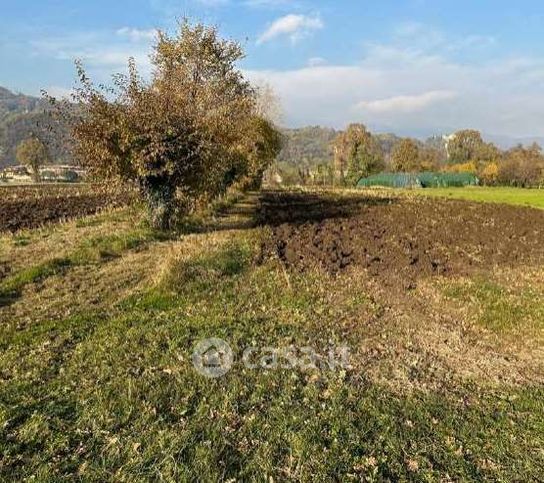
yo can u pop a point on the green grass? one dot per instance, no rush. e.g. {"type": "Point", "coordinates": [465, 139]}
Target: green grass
{"type": "Point", "coordinates": [110, 393]}
{"type": "Point", "coordinates": [501, 309]}
{"type": "Point", "coordinates": [110, 246]}
{"type": "Point", "coordinates": [512, 196]}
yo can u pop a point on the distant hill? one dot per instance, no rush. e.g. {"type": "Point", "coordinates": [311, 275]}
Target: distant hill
{"type": "Point", "coordinates": [21, 116]}
{"type": "Point", "coordinates": [309, 146]}
{"type": "Point", "coordinates": [11, 103]}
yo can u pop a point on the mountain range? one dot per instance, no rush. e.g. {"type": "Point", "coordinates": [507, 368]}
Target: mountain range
{"type": "Point", "coordinates": [22, 115]}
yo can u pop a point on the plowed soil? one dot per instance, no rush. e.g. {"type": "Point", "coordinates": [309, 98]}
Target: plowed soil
{"type": "Point", "coordinates": [399, 239]}
{"type": "Point", "coordinates": [31, 207]}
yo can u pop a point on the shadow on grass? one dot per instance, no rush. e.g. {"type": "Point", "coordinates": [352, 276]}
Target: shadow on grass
{"type": "Point", "coordinates": [272, 208]}
{"type": "Point", "coordinates": [237, 214]}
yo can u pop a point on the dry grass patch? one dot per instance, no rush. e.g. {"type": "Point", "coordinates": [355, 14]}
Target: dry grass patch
{"type": "Point", "coordinates": [29, 247]}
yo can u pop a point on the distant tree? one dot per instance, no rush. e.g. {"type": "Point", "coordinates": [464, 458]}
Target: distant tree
{"type": "Point", "coordinates": [309, 146]}
{"type": "Point", "coordinates": [33, 153]}
{"type": "Point", "coordinates": [468, 146]}
{"type": "Point", "coordinates": [490, 174]}
{"type": "Point", "coordinates": [387, 142]}
{"type": "Point", "coordinates": [488, 153]}
{"type": "Point", "coordinates": [357, 154]}
{"type": "Point", "coordinates": [304, 175]}
{"type": "Point", "coordinates": [429, 158]}
{"type": "Point", "coordinates": [288, 173]}
{"type": "Point", "coordinates": [437, 145]}
{"type": "Point", "coordinates": [464, 146]}
{"type": "Point", "coordinates": [321, 175]}
{"type": "Point", "coordinates": [405, 156]}
{"type": "Point", "coordinates": [523, 167]}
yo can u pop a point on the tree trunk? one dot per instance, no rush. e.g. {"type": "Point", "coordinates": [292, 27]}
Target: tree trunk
{"type": "Point", "coordinates": [36, 173]}
{"type": "Point", "coordinates": [159, 197]}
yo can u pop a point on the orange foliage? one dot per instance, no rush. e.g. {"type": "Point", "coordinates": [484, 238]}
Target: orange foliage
{"type": "Point", "coordinates": [490, 173]}
{"type": "Point", "coordinates": [469, 167]}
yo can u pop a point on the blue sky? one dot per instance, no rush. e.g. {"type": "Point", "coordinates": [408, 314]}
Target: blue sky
{"type": "Point", "coordinates": [410, 66]}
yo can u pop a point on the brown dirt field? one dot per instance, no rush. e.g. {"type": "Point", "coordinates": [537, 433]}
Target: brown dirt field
{"type": "Point", "coordinates": [31, 207]}
{"type": "Point", "coordinates": [399, 240]}
{"type": "Point", "coordinates": [400, 251]}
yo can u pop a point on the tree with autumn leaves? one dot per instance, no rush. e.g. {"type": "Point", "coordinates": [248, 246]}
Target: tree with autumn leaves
{"type": "Point", "coordinates": [184, 137]}
{"type": "Point", "coordinates": [357, 154]}
{"type": "Point", "coordinates": [405, 156]}
{"type": "Point", "coordinates": [522, 167]}
{"type": "Point", "coordinates": [33, 153]}
{"type": "Point", "coordinates": [519, 166]}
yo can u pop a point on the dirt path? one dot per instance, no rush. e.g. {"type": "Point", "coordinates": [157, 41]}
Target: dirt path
{"type": "Point", "coordinates": [239, 215]}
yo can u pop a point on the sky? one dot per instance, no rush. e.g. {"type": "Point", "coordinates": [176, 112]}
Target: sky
{"type": "Point", "coordinates": [413, 67]}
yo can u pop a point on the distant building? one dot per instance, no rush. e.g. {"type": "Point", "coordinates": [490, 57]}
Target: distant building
{"type": "Point", "coordinates": [51, 173]}
{"type": "Point", "coordinates": [448, 138]}
{"type": "Point", "coordinates": [19, 174]}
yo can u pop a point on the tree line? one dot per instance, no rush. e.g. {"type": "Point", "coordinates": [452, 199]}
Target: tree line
{"type": "Point", "coordinates": [357, 153]}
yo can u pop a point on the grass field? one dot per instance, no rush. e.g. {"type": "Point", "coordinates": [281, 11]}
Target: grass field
{"type": "Point", "coordinates": [100, 317]}
{"type": "Point", "coordinates": [513, 196]}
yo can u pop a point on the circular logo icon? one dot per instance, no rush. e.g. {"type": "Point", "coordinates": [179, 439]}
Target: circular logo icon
{"type": "Point", "coordinates": [213, 357]}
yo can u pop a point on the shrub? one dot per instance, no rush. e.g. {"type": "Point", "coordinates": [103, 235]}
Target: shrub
{"type": "Point", "coordinates": [468, 167]}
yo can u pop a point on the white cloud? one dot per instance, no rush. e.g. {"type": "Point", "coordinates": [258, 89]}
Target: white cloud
{"type": "Point", "coordinates": [406, 103]}
{"type": "Point", "coordinates": [475, 41]}
{"type": "Point", "coordinates": [293, 26]}
{"type": "Point", "coordinates": [417, 93]}
{"type": "Point", "coordinates": [59, 92]}
{"type": "Point", "coordinates": [316, 61]}
{"type": "Point", "coordinates": [419, 82]}
{"type": "Point", "coordinates": [102, 54]}
{"type": "Point", "coordinates": [319, 95]}
{"type": "Point", "coordinates": [137, 35]}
